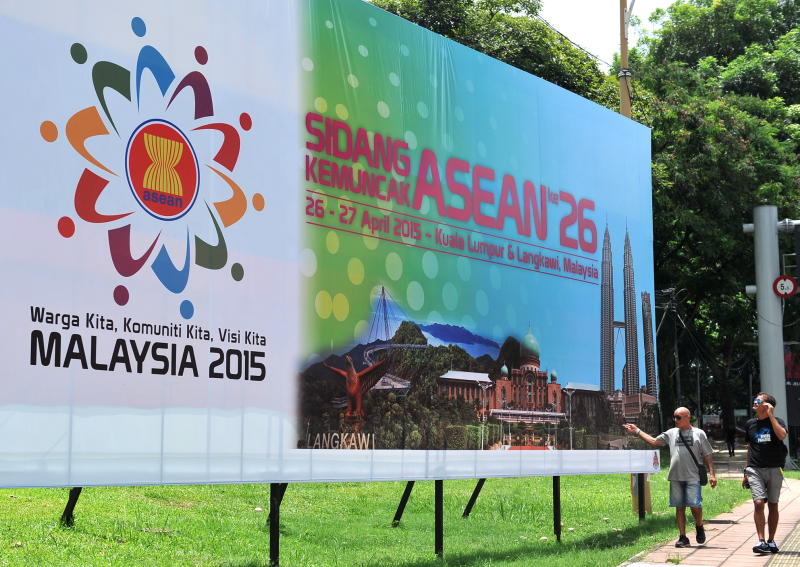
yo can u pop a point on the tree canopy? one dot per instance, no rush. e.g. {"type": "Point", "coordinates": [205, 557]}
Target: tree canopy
{"type": "Point", "coordinates": [718, 86]}
{"type": "Point", "coordinates": [508, 30]}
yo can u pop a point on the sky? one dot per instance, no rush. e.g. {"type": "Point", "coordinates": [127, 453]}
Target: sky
{"type": "Point", "coordinates": [594, 24]}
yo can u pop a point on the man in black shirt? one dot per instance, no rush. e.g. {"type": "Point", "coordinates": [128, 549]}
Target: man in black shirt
{"type": "Point", "coordinates": [766, 454]}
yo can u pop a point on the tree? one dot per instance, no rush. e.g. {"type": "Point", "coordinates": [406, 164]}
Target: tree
{"type": "Point", "coordinates": [509, 31]}
{"type": "Point", "coordinates": [694, 29]}
{"type": "Point", "coordinates": [785, 63]}
{"type": "Point", "coordinates": [723, 142]}
{"type": "Point", "coordinates": [750, 74]}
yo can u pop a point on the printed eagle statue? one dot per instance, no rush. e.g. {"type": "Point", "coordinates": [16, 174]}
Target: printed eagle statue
{"type": "Point", "coordinates": [357, 383]}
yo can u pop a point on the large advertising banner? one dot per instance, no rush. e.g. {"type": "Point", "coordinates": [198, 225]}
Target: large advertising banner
{"type": "Point", "coordinates": [307, 240]}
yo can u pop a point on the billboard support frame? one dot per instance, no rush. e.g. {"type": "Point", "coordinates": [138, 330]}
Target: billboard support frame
{"type": "Point", "coordinates": [438, 495]}
{"type": "Point", "coordinates": [473, 498]}
{"type": "Point", "coordinates": [68, 517]}
{"type": "Point", "coordinates": [398, 515]}
{"type": "Point", "coordinates": [640, 478]}
{"type": "Point", "coordinates": [557, 508]}
{"type": "Point", "coordinates": [276, 492]}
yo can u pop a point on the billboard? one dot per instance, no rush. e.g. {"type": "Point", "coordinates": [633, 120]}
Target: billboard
{"type": "Point", "coordinates": [298, 241]}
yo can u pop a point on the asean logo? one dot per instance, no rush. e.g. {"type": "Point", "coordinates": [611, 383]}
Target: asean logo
{"type": "Point", "coordinates": [150, 166]}
{"type": "Point", "coordinates": [162, 169]}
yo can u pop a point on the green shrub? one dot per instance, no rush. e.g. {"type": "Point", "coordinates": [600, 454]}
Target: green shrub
{"type": "Point", "coordinates": [455, 437]}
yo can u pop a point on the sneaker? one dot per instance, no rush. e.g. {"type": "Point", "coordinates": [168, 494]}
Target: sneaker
{"type": "Point", "coordinates": [762, 547]}
{"type": "Point", "coordinates": [772, 547]}
{"type": "Point", "coordinates": [700, 534]}
{"type": "Point", "coordinates": [683, 541]}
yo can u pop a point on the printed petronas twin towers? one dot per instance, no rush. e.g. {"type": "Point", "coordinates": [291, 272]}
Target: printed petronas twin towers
{"type": "Point", "coordinates": [630, 372]}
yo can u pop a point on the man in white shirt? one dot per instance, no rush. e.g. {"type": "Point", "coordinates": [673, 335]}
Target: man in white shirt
{"type": "Point", "coordinates": [684, 478]}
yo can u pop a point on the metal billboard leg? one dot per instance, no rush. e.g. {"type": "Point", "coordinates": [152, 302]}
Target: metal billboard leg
{"type": "Point", "coordinates": [402, 506]}
{"type": "Point", "coordinates": [557, 507]}
{"type": "Point", "coordinates": [640, 488]}
{"type": "Point", "coordinates": [439, 516]}
{"type": "Point", "coordinates": [67, 518]}
{"type": "Point", "coordinates": [473, 498]}
{"type": "Point", "coordinates": [276, 492]}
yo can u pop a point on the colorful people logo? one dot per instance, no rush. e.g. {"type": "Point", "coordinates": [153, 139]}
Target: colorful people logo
{"type": "Point", "coordinates": [163, 171]}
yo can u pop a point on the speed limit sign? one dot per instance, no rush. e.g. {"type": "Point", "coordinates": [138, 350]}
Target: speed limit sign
{"type": "Point", "coordinates": [784, 286]}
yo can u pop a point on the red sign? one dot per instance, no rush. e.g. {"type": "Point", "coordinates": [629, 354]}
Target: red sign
{"type": "Point", "coordinates": [784, 286]}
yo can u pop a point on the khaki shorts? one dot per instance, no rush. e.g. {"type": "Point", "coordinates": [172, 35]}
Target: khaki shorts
{"type": "Point", "coordinates": [765, 484]}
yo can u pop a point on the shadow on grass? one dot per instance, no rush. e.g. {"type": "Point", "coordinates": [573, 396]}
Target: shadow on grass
{"type": "Point", "coordinates": [607, 540]}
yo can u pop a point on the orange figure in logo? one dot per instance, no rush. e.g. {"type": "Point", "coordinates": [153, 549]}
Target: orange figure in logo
{"type": "Point", "coordinates": [357, 383]}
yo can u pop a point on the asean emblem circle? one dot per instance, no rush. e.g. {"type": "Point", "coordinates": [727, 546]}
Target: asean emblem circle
{"type": "Point", "coordinates": [162, 169]}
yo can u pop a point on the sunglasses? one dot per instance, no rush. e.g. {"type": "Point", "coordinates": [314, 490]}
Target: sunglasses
{"type": "Point", "coordinates": [758, 401]}
{"type": "Point", "coordinates": [677, 417]}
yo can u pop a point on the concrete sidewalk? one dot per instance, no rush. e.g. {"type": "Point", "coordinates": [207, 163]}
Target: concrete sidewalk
{"type": "Point", "coordinates": [731, 537]}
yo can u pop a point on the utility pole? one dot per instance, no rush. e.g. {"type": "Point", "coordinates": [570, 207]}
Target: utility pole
{"type": "Point", "coordinates": [678, 395]}
{"type": "Point", "coordinates": [769, 310]}
{"type": "Point", "coordinates": [624, 75]}
{"type": "Point", "coordinates": [699, 402]}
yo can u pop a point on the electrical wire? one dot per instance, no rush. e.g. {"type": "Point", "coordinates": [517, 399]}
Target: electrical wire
{"type": "Point", "coordinates": [578, 46]}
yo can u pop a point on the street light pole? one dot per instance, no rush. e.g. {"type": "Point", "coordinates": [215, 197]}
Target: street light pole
{"type": "Point", "coordinates": [483, 386]}
{"type": "Point", "coordinates": [569, 392]}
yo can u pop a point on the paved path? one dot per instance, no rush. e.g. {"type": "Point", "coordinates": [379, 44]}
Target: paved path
{"type": "Point", "coordinates": [731, 537]}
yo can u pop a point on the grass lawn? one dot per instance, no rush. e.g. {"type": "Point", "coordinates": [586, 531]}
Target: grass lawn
{"type": "Point", "coordinates": [345, 524]}
{"type": "Point", "coordinates": [791, 474]}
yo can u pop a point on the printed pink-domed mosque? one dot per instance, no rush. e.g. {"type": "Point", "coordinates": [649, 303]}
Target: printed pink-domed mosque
{"type": "Point", "coordinates": [527, 388]}
{"type": "Point", "coordinates": [531, 388]}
